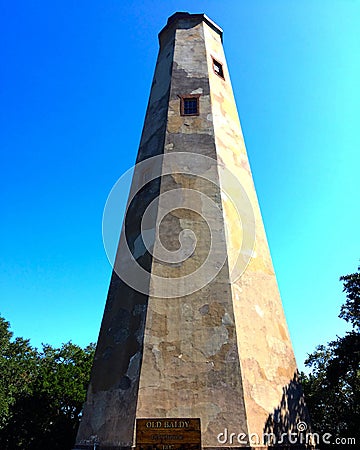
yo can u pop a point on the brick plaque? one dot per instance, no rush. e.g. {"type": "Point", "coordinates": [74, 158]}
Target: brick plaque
{"type": "Point", "coordinates": [168, 434]}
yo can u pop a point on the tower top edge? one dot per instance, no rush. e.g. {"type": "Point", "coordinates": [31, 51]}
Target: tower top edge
{"type": "Point", "coordinates": [174, 18]}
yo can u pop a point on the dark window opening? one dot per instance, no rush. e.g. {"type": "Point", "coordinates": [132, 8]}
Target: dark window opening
{"type": "Point", "coordinates": [218, 69]}
{"type": "Point", "coordinates": [189, 105]}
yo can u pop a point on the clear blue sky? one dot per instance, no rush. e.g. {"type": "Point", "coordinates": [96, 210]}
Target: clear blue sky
{"type": "Point", "coordinates": [74, 84]}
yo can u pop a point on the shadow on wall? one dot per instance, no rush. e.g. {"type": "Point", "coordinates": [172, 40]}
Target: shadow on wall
{"type": "Point", "coordinates": [289, 424]}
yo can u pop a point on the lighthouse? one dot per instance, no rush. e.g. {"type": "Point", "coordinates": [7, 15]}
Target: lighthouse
{"type": "Point", "coordinates": [193, 332]}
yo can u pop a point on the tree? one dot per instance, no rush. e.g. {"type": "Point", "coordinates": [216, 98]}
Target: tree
{"type": "Point", "coordinates": [332, 389]}
{"type": "Point", "coordinates": [350, 311]}
{"type": "Point", "coordinates": [18, 364]}
{"type": "Point", "coordinates": [41, 392]}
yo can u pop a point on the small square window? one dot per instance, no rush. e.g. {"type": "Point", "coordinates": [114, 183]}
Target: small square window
{"type": "Point", "coordinates": [218, 69]}
{"type": "Point", "coordinates": [189, 105]}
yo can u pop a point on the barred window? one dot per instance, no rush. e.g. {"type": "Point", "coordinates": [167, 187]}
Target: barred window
{"type": "Point", "coordinates": [189, 105]}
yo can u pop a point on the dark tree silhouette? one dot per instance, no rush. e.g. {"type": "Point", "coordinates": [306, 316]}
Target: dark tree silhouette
{"type": "Point", "coordinates": [41, 392]}
{"type": "Point", "coordinates": [332, 389]}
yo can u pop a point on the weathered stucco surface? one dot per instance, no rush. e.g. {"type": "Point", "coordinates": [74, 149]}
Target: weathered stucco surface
{"type": "Point", "coordinates": [223, 353]}
{"type": "Point", "coordinates": [190, 365]}
{"type": "Point", "coordinates": [265, 351]}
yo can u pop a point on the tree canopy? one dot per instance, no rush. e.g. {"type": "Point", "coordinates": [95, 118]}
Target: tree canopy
{"type": "Point", "coordinates": [332, 389]}
{"type": "Point", "coordinates": [41, 392]}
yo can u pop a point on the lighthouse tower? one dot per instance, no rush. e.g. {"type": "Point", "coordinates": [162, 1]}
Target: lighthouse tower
{"type": "Point", "coordinates": [193, 349]}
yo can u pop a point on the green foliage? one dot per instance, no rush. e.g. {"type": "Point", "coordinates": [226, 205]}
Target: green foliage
{"type": "Point", "coordinates": [41, 392]}
{"type": "Point", "coordinates": [350, 311]}
{"type": "Point", "coordinates": [18, 362]}
{"type": "Point", "coordinates": [332, 389]}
